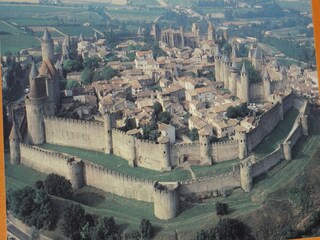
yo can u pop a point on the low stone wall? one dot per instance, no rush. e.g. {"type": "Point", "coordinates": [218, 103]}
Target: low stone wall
{"type": "Point", "coordinates": [209, 186]}
{"type": "Point", "coordinates": [267, 162]}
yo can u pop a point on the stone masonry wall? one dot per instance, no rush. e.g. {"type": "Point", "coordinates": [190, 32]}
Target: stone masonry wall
{"type": "Point", "coordinates": [267, 162]}
{"type": "Point", "coordinates": [117, 183]}
{"type": "Point", "coordinates": [44, 161]}
{"type": "Point", "coordinates": [74, 133]}
{"type": "Point", "coordinates": [224, 151]}
{"type": "Point", "coordinates": [185, 152]}
{"type": "Point", "coordinates": [209, 185]}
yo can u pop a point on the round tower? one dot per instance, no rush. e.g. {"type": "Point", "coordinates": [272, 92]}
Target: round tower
{"type": "Point", "coordinates": [76, 173]}
{"type": "Point", "coordinates": [182, 36]}
{"type": "Point", "coordinates": [304, 124]}
{"type": "Point", "coordinates": [234, 71]}
{"type": "Point", "coordinates": [204, 147]}
{"type": "Point", "coordinates": [35, 107]}
{"type": "Point", "coordinates": [241, 137]}
{"type": "Point", "coordinates": [47, 46]}
{"type": "Point", "coordinates": [164, 146]}
{"type": "Point", "coordinates": [246, 175]}
{"type": "Point", "coordinates": [217, 67]}
{"type": "Point", "coordinates": [226, 74]}
{"type": "Point", "coordinates": [132, 151]}
{"type": "Point", "coordinates": [244, 84]}
{"type": "Point", "coordinates": [14, 141]}
{"type": "Point", "coordinates": [210, 32]}
{"type": "Point", "coordinates": [266, 85]}
{"type": "Point", "coordinates": [108, 133]}
{"type": "Point", "coordinates": [166, 200]}
{"type": "Point", "coordinates": [287, 150]}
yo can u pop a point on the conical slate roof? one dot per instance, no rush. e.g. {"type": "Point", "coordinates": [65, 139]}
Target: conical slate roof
{"type": "Point", "coordinates": [244, 70]}
{"type": "Point", "coordinates": [227, 59]}
{"type": "Point", "coordinates": [14, 134]}
{"type": "Point", "coordinates": [257, 53]}
{"type": "Point", "coordinates": [81, 38]}
{"type": "Point", "coordinates": [58, 65]}
{"type": "Point", "coordinates": [33, 72]}
{"type": "Point", "coordinates": [234, 52]}
{"type": "Point", "coordinates": [218, 52]}
{"type": "Point", "coordinates": [234, 65]}
{"type": "Point", "coordinates": [266, 75]}
{"type": "Point", "coordinates": [46, 35]}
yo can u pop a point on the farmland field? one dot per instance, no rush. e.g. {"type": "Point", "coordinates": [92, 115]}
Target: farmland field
{"type": "Point", "coordinates": [136, 15]}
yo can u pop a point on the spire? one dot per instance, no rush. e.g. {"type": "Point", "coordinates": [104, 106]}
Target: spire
{"type": "Point", "coordinates": [81, 38]}
{"type": "Point", "coordinates": [33, 72]}
{"type": "Point", "coordinates": [46, 35]}
{"type": "Point", "coordinates": [266, 75]}
{"type": "Point", "coordinates": [257, 53]}
{"type": "Point", "coordinates": [234, 51]}
{"type": "Point", "coordinates": [58, 65]}
{"type": "Point", "coordinates": [234, 66]}
{"type": "Point", "coordinates": [218, 52]}
{"type": "Point", "coordinates": [227, 59]}
{"type": "Point", "coordinates": [243, 70]}
{"type": "Point", "coordinates": [14, 134]}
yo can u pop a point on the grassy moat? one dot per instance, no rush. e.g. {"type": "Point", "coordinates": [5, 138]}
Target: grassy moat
{"type": "Point", "coordinates": [196, 216]}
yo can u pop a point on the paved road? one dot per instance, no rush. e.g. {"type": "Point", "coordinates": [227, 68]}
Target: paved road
{"type": "Point", "coordinates": [16, 232]}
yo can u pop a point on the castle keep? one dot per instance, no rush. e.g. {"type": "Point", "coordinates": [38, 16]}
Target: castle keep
{"type": "Point", "coordinates": [44, 127]}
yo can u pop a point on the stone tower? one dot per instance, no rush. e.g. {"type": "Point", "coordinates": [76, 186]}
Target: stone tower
{"type": "Point", "coordinates": [204, 147]}
{"type": "Point", "coordinates": [47, 46]}
{"type": "Point", "coordinates": [246, 175]}
{"type": "Point", "coordinates": [182, 37]}
{"type": "Point", "coordinates": [76, 173]}
{"type": "Point", "coordinates": [266, 84]}
{"type": "Point", "coordinates": [244, 79]}
{"type": "Point", "coordinates": [286, 148]}
{"type": "Point", "coordinates": [304, 124]}
{"type": "Point", "coordinates": [156, 32]}
{"type": "Point", "coordinates": [211, 32]}
{"type": "Point", "coordinates": [164, 145]}
{"type": "Point", "coordinates": [218, 63]}
{"type": "Point", "coordinates": [36, 102]}
{"type": "Point", "coordinates": [108, 133]}
{"type": "Point", "coordinates": [226, 74]}
{"type": "Point", "coordinates": [166, 200]}
{"type": "Point", "coordinates": [33, 73]}
{"type": "Point", "coordinates": [241, 137]}
{"type": "Point", "coordinates": [257, 59]}
{"type": "Point", "coordinates": [14, 140]}
{"type": "Point", "coordinates": [234, 73]}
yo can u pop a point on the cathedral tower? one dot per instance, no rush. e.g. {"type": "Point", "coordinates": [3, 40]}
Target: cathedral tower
{"type": "Point", "coordinates": [218, 63]}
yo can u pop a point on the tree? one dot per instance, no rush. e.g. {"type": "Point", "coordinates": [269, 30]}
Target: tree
{"type": "Point", "coordinates": [221, 208]}
{"type": "Point", "coordinates": [70, 65]}
{"type": "Point", "coordinates": [106, 229]}
{"type": "Point", "coordinates": [165, 117]}
{"type": "Point", "coordinates": [193, 134]}
{"type": "Point", "coordinates": [157, 109]}
{"type": "Point", "coordinates": [33, 207]}
{"type": "Point", "coordinates": [73, 221]}
{"type": "Point", "coordinates": [146, 229]}
{"type": "Point", "coordinates": [153, 135]}
{"type": "Point", "coordinates": [91, 63]}
{"type": "Point", "coordinates": [87, 76]}
{"type": "Point", "coordinates": [72, 84]}
{"type": "Point", "coordinates": [57, 185]}
{"type": "Point", "coordinates": [108, 73]}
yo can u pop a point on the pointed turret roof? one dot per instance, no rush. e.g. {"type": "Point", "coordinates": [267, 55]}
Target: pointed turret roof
{"type": "Point", "coordinates": [227, 59]}
{"type": "Point", "coordinates": [244, 70]}
{"type": "Point", "coordinates": [80, 37]}
{"type": "Point", "coordinates": [33, 72]}
{"type": "Point", "coordinates": [218, 52]}
{"type": "Point", "coordinates": [46, 35]}
{"type": "Point", "coordinates": [14, 134]}
{"type": "Point", "coordinates": [58, 65]}
{"type": "Point", "coordinates": [234, 64]}
{"type": "Point", "coordinates": [210, 27]}
{"type": "Point", "coordinates": [266, 75]}
{"type": "Point", "coordinates": [257, 54]}
{"type": "Point", "coordinates": [234, 52]}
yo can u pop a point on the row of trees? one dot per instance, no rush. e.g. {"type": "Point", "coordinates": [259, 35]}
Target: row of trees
{"type": "Point", "coordinates": [238, 111]}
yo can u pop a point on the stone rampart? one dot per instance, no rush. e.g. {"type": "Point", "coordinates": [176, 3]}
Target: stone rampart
{"type": "Point", "coordinates": [267, 162]}
{"type": "Point", "coordinates": [123, 145]}
{"type": "Point", "coordinates": [182, 152]}
{"type": "Point", "coordinates": [74, 133]}
{"type": "Point", "coordinates": [210, 186]}
{"type": "Point", "coordinates": [117, 183]}
{"type": "Point", "coordinates": [224, 151]}
{"type": "Point", "coordinates": [44, 161]}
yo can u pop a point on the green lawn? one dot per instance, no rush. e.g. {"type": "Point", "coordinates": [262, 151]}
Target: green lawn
{"type": "Point", "coordinates": [219, 168]}
{"type": "Point", "coordinates": [119, 164]}
{"type": "Point", "coordinates": [128, 213]}
{"type": "Point", "coordinates": [278, 134]}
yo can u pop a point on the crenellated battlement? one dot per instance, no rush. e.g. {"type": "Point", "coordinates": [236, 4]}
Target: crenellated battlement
{"type": "Point", "coordinates": [70, 120]}
{"type": "Point", "coordinates": [229, 142]}
{"type": "Point", "coordinates": [47, 152]}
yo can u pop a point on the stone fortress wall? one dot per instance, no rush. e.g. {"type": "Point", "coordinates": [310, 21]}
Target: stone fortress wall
{"type": "Point", "coordinates": [163, 195]}
{"type": "Point", "coordinates": [268, 121]}
{"type": "Point", "coordinates": [251, 167]}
